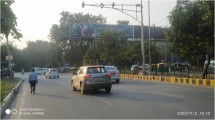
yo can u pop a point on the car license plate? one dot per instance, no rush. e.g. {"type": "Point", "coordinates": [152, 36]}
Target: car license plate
{"type": "Point", "coordinates": [98, 79]}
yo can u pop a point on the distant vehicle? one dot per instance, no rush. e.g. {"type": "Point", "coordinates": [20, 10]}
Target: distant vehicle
{"type": "Point", "coordinates": [211, 67]}
{"type": "Point", "coordinates": [5, 73]}
{"type": "Point", "coordinates": [52, 73]}
{"type": "Point", "coordinates": [36, 69]}
{"type": "Point", "coordinates": [72, 68]}
{"type": "Point", "coordinates": [181, 67]}
{"type": "Point", "coordinates": [65, 69]}
{"type": "Point", "coordinates": [114, 73]}
{"type": "Point", "coordinates": [91, 77]}
{"type": "Point", "coordinates": [41, 71]}
{"type": "Point", "coordinates": [134, 69]}
{"type": "Point", "coordinates": [60, 70]}
{"type": "Point", "coordinates": [162, 67]}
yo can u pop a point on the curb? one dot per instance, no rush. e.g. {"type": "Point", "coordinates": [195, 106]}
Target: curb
{"type": "Point", "coordinates": [9, 98]}
{"type": "Point", "coordinates": [173, 80]}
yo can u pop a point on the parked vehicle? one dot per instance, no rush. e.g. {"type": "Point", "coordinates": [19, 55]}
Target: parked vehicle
{"type": "Point", "coordinates": [41, 71]}
{"type": "Point", "coordinates": [72, 68]}
{"type": "Point", "coordinates": [91, 77]}
{"type": "Point", "coordinates": [134, 69]}
{"type": "Point", "coordinates": [114, 73]}
{"type": "Point", "coordinates": [162, 67]}
{"type": "Point", "coordinates": [52, 73]}
{"type": "Point", "coordinates": [211, 67]}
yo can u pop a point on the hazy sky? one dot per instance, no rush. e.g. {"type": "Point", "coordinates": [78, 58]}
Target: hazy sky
{"type": "Point", "coordinates": [35, 17]}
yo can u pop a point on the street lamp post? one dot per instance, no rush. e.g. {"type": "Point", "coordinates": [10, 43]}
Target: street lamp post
{"type": "Point", "coordinates": [142, 40]}
{"type": "Point", "coordinates": [9, 61]}
{"type": "Point", "coordinates": [112, 6]}
{"type": "Point", "coordinates": [149, 39]}
{"type": "Point", "coordinates": [155, 68]}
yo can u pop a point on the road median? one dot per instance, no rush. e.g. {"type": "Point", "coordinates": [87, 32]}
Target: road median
{"type": "Point", "coordinates": [173, 80]}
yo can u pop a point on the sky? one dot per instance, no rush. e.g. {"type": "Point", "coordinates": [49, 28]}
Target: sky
{"type": "Point", "coordinates": [36, 17]}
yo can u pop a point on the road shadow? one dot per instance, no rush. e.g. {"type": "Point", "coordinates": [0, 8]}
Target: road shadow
{"type": "Point", "coordinates": [135, 96]}
{"type": "Point", "coordinates": [52, 96]}
{"type": "Point", "coordinates": [135, 82]}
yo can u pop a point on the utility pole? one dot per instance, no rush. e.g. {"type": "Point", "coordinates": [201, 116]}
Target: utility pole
{"type": "Point", "coordinates": [149, 40]}
{"type": "Point", "coordinates": [123, 10]}
{"type": "Point", "coordinates": [142, 40]}
{"type": "Point", "coordinates": [8, 52]}
{"type": "Point", "coordinates": [155, 51]}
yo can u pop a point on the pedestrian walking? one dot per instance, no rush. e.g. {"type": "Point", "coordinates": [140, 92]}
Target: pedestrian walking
{"type": "Point", "coordinates": [33, 81]}
{"type": "Point", "coordinates": [23, 71]}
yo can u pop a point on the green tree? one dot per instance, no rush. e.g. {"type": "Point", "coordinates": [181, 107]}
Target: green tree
{"type": "Point", "coordinates": [109, 48]}
{"type": "Point", "coordinates": [54, 55]}
{"type": "Point", "coordinates": [8, 26]}
{"type": "Point", "coordinates": [8, 20]}
{"type": "Point", "coordinates": [17, 56]}
{"type": "Point", "coordinates": [109, 45]}
{"type": "Point", "coordinates": [73, 50]}
{"type": "Point", "coordinates": [133, 53]}
{"type": "Point", "coordinates": [191, 31]}
{"type": "Point", "coordinates": [35, 55]}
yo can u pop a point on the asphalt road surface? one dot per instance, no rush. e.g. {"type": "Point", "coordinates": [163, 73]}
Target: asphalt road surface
{"type": "Point", "coordinates": [130, 99]}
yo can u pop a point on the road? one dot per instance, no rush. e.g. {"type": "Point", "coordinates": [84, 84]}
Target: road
{"type": "Point", "coordinates": [130, 99]}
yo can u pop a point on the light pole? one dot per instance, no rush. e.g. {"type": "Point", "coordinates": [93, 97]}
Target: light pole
{"type": "Point", "coordinates": [142, 40]}
{"type": "Point", "coordinates": [149, 40]}
{"type": "Point", "coordinates": [112, 6]}
{"type": "Point", "coordinates": [155, 68]}
{"type": "Point", "coordinates": [9, 59]}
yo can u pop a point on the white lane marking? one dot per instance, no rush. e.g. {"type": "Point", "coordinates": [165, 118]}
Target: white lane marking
{"type": "Point", "coordinates": [103, 100]}
{"type": "Point", "coordinates": [166, 94]}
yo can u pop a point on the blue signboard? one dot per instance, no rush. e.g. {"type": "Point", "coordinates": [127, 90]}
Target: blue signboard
{"type": "Point", "coordinates": [66, 64]}
{"type": "Point", "coordinates": [95, 30]}
{"type": "Point", "coordinates": [126, 29]}
{"type": "Point", "coordinates": [84, 30]}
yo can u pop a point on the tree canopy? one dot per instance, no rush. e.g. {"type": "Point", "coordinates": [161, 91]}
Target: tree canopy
{"type": "Point", "coordinates": [8, 20]}
{"type": "Point", "coordinates": [192, 29]}
{"type": "Point", "coordinates": [73, 50]}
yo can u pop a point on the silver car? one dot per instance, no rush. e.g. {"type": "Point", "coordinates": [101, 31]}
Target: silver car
{"type": "Point", "coordinates": [91, 77]}
{"type": "Point", "coordinates": [114, 73]}
{"type": "Point", "coordinates": [52, 73]}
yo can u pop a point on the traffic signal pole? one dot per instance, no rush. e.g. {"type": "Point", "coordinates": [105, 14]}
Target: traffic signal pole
{"type": "Point", "coordinates": [123, 10]}
{"type": "Point", "coordinates": [142, 40]}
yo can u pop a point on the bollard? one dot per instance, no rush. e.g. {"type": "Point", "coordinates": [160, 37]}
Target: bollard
{"type": "Point", "coordinates": [197, 81]}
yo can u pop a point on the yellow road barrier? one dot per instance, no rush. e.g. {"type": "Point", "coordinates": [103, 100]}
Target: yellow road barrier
{"type": "Point", "coordinates": [197, 81]}
{"type": "Point", "coordinates": [184, 80]}
{"type": "Point", "coordinates": [187, 81]}
{"type": "Point", "coordinates": [172, 79]}
{"type": "Point", "coordinates": [212, 83]}
{"type": "Point", "coordinates": [204, 82]}
{"type": "Point", "coordinates": [179, 80]}
{"type": "Point", "coordinates": [190, 81]}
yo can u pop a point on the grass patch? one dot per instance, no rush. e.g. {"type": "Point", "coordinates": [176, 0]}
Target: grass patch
{"type": "Point", "coordinates": [7, 85]}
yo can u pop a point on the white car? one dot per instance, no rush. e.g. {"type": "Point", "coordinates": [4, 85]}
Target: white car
{"type": "Point", "coordinates": [114, 73]}
{"type": "Point", "coordinates": [52, 73]}
{"type": "Point", "coordinates": [41, 71]}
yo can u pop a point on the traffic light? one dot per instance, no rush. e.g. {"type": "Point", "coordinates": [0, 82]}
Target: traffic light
{"type": "Point", "coordinates": [113, 5]}
{"type": "Point", "coordinates": [83, 5]}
